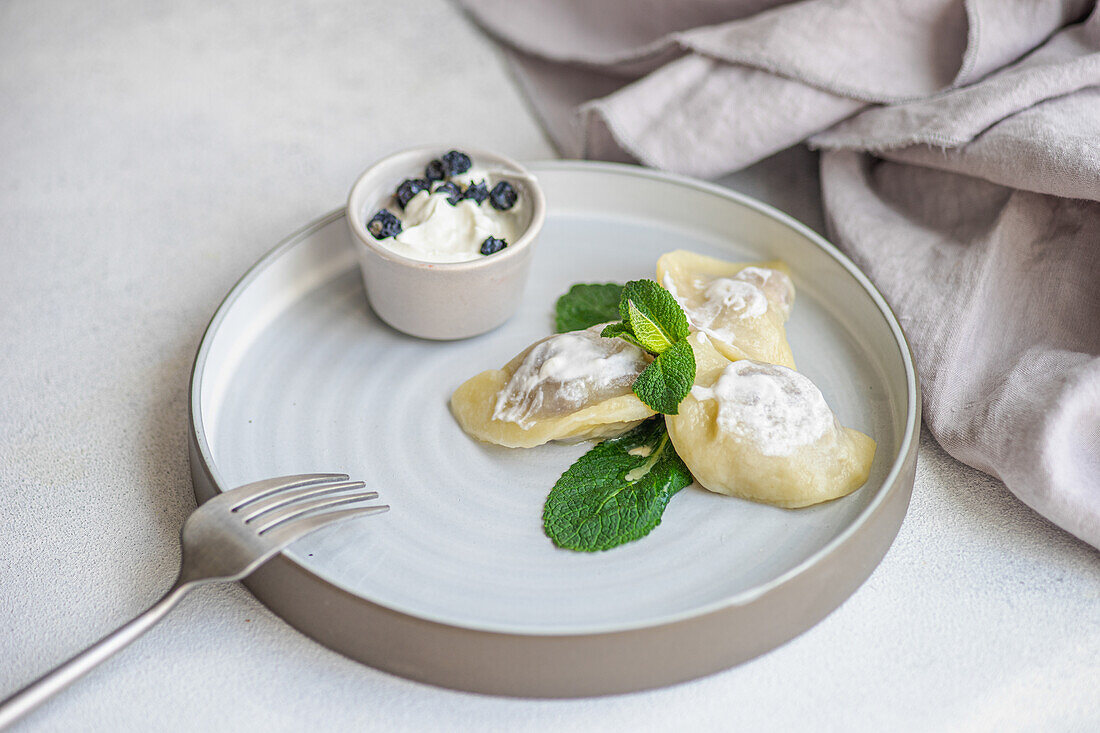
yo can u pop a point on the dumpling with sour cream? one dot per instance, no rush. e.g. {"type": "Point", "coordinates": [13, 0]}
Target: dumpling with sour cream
{"type": "Point", "coordinates": [764, 432]}
{"type": "Point", "coordinates": [742, 307]}
{"type": "Point", "coordinates": [569, 386]}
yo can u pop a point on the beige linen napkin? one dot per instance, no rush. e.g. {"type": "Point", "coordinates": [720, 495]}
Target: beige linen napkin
{"type": "Point", "coordinates": [960, 170]}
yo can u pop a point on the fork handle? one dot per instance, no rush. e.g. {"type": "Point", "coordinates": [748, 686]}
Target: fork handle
{"type": "Point", "coordinates": [34, 694]}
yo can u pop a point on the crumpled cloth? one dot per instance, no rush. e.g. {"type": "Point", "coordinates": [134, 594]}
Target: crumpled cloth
{"type": "Point", "coordinates": [960, 169]}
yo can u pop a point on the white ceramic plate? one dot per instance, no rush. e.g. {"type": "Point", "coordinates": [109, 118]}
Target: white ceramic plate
{"type": "Point", "coordinates": [295, 375]}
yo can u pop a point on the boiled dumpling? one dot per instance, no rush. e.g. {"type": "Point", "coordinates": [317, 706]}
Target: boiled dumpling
{"type": "Point", "coordinates": [764, 432]}
{"type": "Point", "coordinates": [570, 386]}
{"type": "Point", "coordinates": [742, 307]}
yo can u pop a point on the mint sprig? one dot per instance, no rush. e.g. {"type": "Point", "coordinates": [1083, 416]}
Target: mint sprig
{"type": "Point", "coordinates": [586, 305]}
{"type": "Point", "coordinates": [616, 492]}
{"type": "Point", "coordinates": [653, 320]}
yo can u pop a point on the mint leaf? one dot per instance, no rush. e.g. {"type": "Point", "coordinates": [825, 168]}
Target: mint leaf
{"type": "Point", "coordinates": [585, 305]}
{"type": "Point", "coordinates": [620, 330]}
{"type": "Point", "coordinates": [654, 316]}
{"type": "Point", "coordinates": [667, 379]}
{"type": "Point", "coordinates": [616, 492]}
{"type": "Point", "coordinates": [647, 331]}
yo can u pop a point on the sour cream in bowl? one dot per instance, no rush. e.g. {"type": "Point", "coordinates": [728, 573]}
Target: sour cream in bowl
{"type": "Point", "coordinates": [444, 237]}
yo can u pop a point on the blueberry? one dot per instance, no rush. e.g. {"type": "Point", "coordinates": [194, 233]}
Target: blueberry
{"type": "Point", "coordinates": [476, 191]}
{"type": "Point", "coordinates": [384, 224]}
{"type": "Point", "coordinates": [435, 171]}
{"type": "Point", "coordinates": [455, 163]}
{"type": "Point", "coordinates": [492, 245]}
{"type": "Point", "coordinates": [454, 193]}
{"type": "Point", "coordinates": [409, 188]}
{"type": "Point", "coordinates": [503, 196]}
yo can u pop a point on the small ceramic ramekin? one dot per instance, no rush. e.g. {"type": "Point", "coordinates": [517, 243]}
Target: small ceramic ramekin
{"type": "Point", "coordinates": [441, 300]}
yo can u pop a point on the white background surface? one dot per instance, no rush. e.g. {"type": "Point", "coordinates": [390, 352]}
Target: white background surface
{"type": "Point", "coordinates": [149, 153]}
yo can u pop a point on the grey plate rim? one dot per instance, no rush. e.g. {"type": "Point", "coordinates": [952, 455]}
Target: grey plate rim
{"type": "Point", "coordinates": [898, 480]}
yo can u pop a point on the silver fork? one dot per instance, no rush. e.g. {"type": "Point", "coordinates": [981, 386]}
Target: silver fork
{"type": "Point", "coordinates": [225, 539]}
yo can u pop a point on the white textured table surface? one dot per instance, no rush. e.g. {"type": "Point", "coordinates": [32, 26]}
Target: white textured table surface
{"type": "Point", "coordinates": [149, 153]}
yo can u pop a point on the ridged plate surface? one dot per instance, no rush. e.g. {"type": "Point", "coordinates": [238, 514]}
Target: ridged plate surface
{"type": "Point", "coordinates": [297, 375]}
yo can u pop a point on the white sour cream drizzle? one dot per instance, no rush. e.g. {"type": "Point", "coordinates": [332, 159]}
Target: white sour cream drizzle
{"type": "Point", "coordinates": [566, 372]}
{"type": "Point", "coordinates": [776, 408]}
{"type": "Point", "coordinates": [774, 284]}
{"type": "Point", "coordinates": [744, 296]}
{"type": "Point", "coordinates": [432, 230]}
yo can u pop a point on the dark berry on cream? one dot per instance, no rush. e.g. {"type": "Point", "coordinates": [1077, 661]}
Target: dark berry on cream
{"type": "Point", "coordinates": [384, 224]}
{"type": "Point", "coordinates": [492, 245]}
{"type": "Point", "coordinates": [477, 192]}
{"type": "Point", "coordinates": [503, 196]}
{"type": "Point", "coordinates": [409, 188]}
{"type": "Point", "coordinates": [455, 163]}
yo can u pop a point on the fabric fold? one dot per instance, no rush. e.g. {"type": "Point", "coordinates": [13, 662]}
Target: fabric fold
{"type": "Point", "coordinates": [1050, 148]}
{"type": "Point", "coordinates": [996, 289]}
{"type": "Point", "coordinates": [700, 117]}
{"type": "Point", "coordinates": [1068, 62]}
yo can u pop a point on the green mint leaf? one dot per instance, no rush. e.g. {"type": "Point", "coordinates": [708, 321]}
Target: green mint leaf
{"type": "Point", "coordinates": [667, 379]}
{"type": "Point", "coordinates": [655, 317]}
{"type": "Point", "coordinates": [620, 330]}
{"type": "Point", "coordinates": [586, 305]}
{"type": "Point", "coordinates": [613, 330]}
{"type": "Point", "coordinates": [646, 330]}
{"type": "Point", "coordinates": [616, 492]}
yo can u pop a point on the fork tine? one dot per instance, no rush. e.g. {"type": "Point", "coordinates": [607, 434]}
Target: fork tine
{"type": "Point", "coordinates": [298, 528]}
{"type": "Point", "coordinates": [254, 510]}
{"type": "Point", "coordinates": [256, 490]}
{"type": "Point", "coordinates": [308, 506]}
